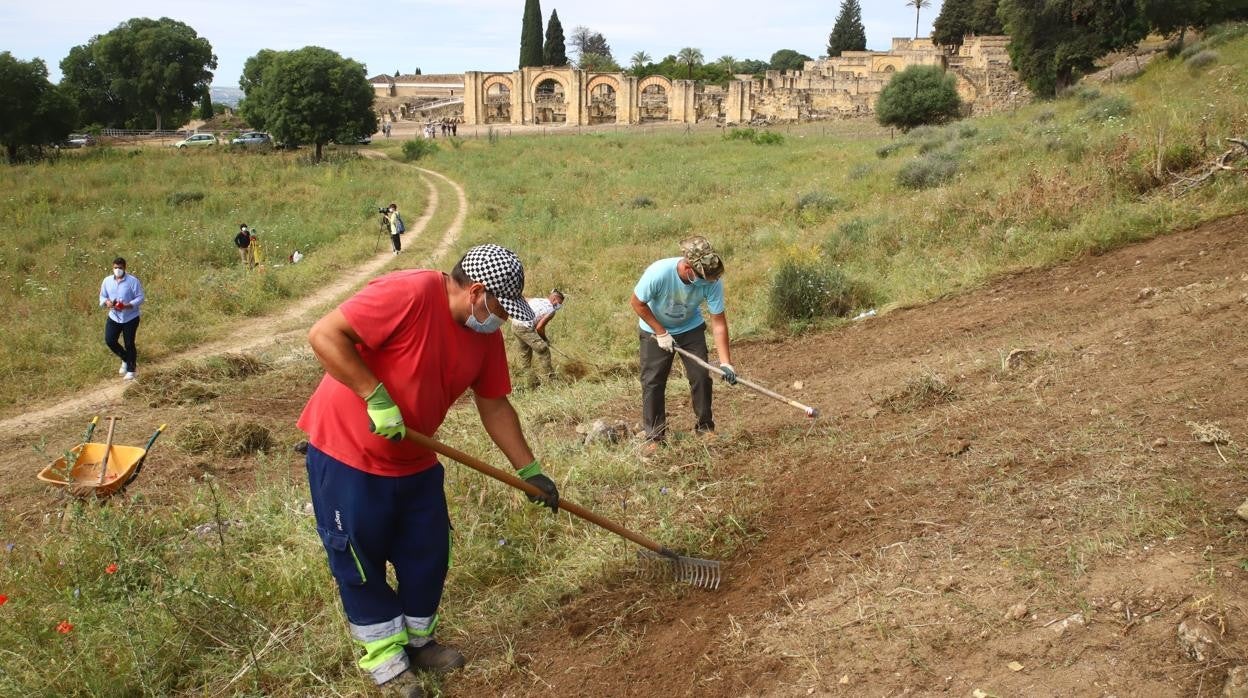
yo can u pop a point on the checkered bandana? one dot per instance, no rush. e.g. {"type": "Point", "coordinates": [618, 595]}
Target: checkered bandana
{"type": "Point", "coordinates": [503, 275]}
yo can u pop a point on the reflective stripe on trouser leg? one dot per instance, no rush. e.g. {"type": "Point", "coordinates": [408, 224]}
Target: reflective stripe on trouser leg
{"type": "Point", "coordinates": [384, 657]}
{"type": "Point", "coordinates": [420, 630]}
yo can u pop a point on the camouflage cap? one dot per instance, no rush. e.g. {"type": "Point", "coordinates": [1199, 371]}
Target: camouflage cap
{"type": "Point", "coordinates": [702, 257]}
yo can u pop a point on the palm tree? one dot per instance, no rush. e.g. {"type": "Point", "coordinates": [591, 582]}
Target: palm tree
{"type": "Point", "coordinates": [918, 6]}
{"type": "Point", "coordinates": [728, 63]}
{"type": "Point", "coordinates": [690, 57]}
{"type": "Point", "coordinates": [639, 59]}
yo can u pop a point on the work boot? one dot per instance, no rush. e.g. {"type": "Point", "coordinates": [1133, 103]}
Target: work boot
{"type": "Point", "coordinates": [405, 685]}
{"type": "Point", "coordinates": [435, 657]}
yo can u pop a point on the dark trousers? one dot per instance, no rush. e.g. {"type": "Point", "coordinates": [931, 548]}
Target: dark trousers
{"type": "Point", "coordinates": [394, 240]}
{"type": "Point", "coordinates": [113, 331]}
{"type": "Point", "coordinates": [656, 365]}
{"type": "Point", "coordinates": [367, 520]}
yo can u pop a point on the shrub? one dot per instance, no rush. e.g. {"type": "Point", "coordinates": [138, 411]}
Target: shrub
{"type": "Point", "coordinates": [754, 136]}
{"type": "Point", "coordinates": [1044, 116]}
{"type": "Point", "coordinates": [641, 202]}
{"type": "Point", "coordinates": [859, 171]}
{"type": "Point", "coordinates": [1201, 60]}
{"type": "Point", "coordinates": [740, 134]}
{"type": "Point", "coordinates": [1085, 94]}
{"type": "Point", "coordinates": [886, 150]}
{"type": "Point", "coordinates": [804, 290]}
{"type": "Point", "coordinates": [847, 236]}
{"type": "Point", "coordinates": [418, 148]}
{"type": "Point", "coordinates": [768, 138]}
{"type": "Point", "coordinates": [1106, 108]}
{"type": "Point", "coordinates": [1180, 157]}
{"type": "Point", "coordinates": [967, 131]}
{"type": "Point", "coordinates": [928, 171]}
{"type": "Point", "coordinates": [918, 95]}
{"type": "Point", "coordinates": [816, 201]}
{"type": "Point", "coordinates": [178, 198]}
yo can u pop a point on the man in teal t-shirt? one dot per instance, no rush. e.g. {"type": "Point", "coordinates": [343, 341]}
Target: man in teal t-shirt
{"type": "Point", "coordinates": [668, 300]}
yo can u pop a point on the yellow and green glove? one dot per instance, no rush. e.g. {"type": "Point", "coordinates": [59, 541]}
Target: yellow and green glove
{"type": "Point", "coordinates": [532, 474]}
{"type": "Point", "coordinates": [383, 415]}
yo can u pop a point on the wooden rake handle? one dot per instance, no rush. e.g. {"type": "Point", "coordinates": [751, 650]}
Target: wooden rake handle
{"type": "Point", "coordinates": [509, 479]}
{"type": "Point", "coordinates": [810, 411]}
{"type": "Point", "coordinates": [108, 446]}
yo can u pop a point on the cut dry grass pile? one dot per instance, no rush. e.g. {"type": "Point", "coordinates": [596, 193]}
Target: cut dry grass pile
{"type": "Point", "coordinates": [229, 436]}
{"type": "Point", "coordinates": [920, 393]}
{"type": "Point", "coordinates": [194, 382]}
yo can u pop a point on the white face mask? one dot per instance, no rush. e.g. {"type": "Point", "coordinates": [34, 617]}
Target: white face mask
{"type": "Point", "coordinates": [118, 273]}
{"type": "Point", "coordinates": [491, 324]}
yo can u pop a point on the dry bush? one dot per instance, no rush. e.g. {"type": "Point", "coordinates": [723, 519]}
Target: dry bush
{"type": "Point", "coordinates": [230, 436]}
{"type": "Point", "coordinates": [920, 393]}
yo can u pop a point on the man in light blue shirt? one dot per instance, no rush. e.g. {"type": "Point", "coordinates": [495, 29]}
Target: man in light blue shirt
{"type": "Point", "coordinates": [668, 301]}
{"type": "Point", "coordinates": [122, 294]}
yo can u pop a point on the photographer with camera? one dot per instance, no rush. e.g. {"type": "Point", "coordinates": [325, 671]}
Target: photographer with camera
{"type": "Point", "coordinates": [393, 223]}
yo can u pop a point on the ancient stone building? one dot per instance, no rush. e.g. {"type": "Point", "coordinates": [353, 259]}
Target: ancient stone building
{"type": "Point", "coordinates": [831, 88]}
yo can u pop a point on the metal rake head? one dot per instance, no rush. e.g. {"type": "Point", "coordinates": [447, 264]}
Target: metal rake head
{"type": "Point", "coordinates": [705, 574]}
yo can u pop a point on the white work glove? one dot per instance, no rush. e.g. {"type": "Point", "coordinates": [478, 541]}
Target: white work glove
{"type": "Point", "coordinates": [666, 342]}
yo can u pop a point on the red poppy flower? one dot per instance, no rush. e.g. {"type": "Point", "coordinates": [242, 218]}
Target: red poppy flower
{"type": "Point", "coordinates": [64, 627]}
{"type": "Point", "coordinates": [3, 599]}
{"type": "Point", "coordinates": [111, 569]}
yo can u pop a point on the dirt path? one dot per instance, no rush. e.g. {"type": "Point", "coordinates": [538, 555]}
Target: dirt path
{"type": "Point", "coordinates": [1035, 525]}
{"type": "Point", "coordinates": [285, 327]}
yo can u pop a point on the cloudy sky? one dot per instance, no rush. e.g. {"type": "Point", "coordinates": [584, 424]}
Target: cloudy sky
{"type": "Point", "coordinates": [455, 35]}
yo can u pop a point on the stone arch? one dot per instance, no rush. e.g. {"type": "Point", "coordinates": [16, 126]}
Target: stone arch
{"type": "Point", "coordinates": [496, 99]}
{"type": "Point", "coordinates": [654, 96]}
{"type": "Point", "coordinates": [549, 96]}
{"type": "Point", "coordinates": [601, 99]}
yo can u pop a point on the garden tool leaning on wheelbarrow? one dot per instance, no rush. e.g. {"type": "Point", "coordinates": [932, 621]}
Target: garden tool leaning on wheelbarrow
{"type": "Point", "coordinates": [810, 411]}
{"type": "Point", "coordinates": [690, 570]}
{"type": "Point", "coordinates": [98, 469]}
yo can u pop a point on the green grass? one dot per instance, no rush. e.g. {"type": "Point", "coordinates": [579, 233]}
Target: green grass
{"type": "Point", "coordinates": [173, 216]}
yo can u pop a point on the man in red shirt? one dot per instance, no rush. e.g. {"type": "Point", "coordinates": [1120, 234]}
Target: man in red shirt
{"type": "Point", "coordinates": [397, 355]}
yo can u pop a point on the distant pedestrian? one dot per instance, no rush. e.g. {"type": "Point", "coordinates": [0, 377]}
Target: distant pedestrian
{"type": "Point", "coordinates": [395, 223]}
{"type": "Point", "coordinates": [122, 294]}
{"type": "Point", "coordinates": [243, 242]}
{"type": "Point", "coordinates": [531, 336]}
{"type": "Point", "coordinates": [454, 122]}
{"type": "Point", "coordinates": [385, 129]}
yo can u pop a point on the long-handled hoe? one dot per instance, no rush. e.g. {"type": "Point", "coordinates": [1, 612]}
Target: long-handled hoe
{"type": "Point", "coordinates": [690, 570]}
{"type": "Point", "coordinates": [810, 411]}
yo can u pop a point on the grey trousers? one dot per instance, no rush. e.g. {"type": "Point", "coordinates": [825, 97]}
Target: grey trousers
{"type": "Point", "coordinates": [656, 365]}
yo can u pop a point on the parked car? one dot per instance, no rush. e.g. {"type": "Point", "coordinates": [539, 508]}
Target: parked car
{"type": "Point", "coordinates": [78, 140]}
{"type": "Point", "coordinates": [252, 138]}
{"type": "Point", "coordinates": [198, 140]}
{"type": "Point", "coordinates": [363, 140]}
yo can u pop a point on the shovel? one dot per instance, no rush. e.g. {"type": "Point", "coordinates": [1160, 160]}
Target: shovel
{"type": "Point", "coordinates": [690, 570]}
{"type": "Point", "coordinates": [810, 411]}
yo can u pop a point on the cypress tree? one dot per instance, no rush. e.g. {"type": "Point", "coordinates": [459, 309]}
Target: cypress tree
{"type": "Point", "coordinates": [531, 35]}
{"type": "Point", "coordinates": [848, 34]}
{"type": "Point", "coordinates": [555, 52]}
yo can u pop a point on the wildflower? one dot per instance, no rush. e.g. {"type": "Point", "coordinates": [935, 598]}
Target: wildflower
{"type": "Point", "coordinates": [3, 599]}
{"type": "Point", "coordinates": [111, 569]}
{"type": "Point", "coordinates": [64, 627]}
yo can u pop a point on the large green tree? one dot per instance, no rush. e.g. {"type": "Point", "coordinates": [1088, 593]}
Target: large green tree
{"type": "Point", "coordinates": [1051, 41]}
{"type": "Point", "coordinates": [33, 111]}
{"type": "Point", "coordinates": [531, 35]}
{"type": "Point", "coordinates": [788, 60]}
{"type": "Point", "coordinates": [848, 34]}
{"type": "Point", "coordinates": [308, 96]}
{"type": "Point", "coordinates": [958, 18]}
{"type": "Point", "coordinates": [690, 58]}
{"type": "Point", "coordinates": [147, 72]}
{"type": "Point", "coordinates": [555, 51]}
{"type": "Point", "coordinates": [918, 95]}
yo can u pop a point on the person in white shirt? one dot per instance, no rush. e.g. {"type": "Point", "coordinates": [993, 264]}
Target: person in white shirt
{"type": "Point", "coordinates": [531, 336]}
{"type": "Point", "coordinates": [122, 294]}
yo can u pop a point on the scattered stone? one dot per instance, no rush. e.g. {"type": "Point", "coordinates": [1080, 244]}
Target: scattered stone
{"type": "Point", "coordinates": [1116, 607]}
{"type": "Point", "coordinates": [1100, 273]}
{"type": "Point", "coordinates": [1236, 685]}
{"type": "Point", "coordinates": [1242, 511]}
{"type": "Point", "coordinates": [1047, 524]}
{"type": "Point", "coordinates": [1160, 442]}
{"type": "Point", "coordinates": [798, 385]}
{"type": "Point", "coordinates": [301, 447]}
{"type": "Point", "coordinates": [979, 693]}
{"type": "Point", "coordinates": [1094, 412]}
{"type": "Point", "coordinates": [308, 509]}
{"type": "Point", "coordinates": [1018, 358]}
{"type": "Point", "coordinates": [1015, 666]}
{"type": "Point", "coordinates": [1198, 639]}
{"type": "Point", "coordinates": [844, 680]}
{"type": "Point", "coordinates": [957, 448]}
{"type": "Point", "coordinates": [1210, 433]}
{"type": "Point", "coordinates": [1145, 293]}
{"type": "Point", "coordinates": [205, 530]}
{"type": "Point", "coordinates": [602, 431]}
{"type": "Point", "coordinates": [871, 413]}
{"type": "Point", "coordinates": [1242, 362]}
{"type": "Point", "coordinates": [1067, 622]}
{"type": "Point", "coordinates": [1017, 612]}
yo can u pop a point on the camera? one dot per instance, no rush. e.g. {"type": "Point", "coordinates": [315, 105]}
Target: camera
{"type": "Point", "coordinates": [383, 211]}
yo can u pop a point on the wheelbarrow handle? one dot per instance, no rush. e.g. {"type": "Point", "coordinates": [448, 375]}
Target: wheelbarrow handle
{"type": "Point", "coordinates": [91, 428]}
{"type": "Point", "coordinates": [139, 465]}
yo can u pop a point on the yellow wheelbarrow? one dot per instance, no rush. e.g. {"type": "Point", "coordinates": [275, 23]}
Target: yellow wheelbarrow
{"type": "Point", "coordinates": [101, 469]}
